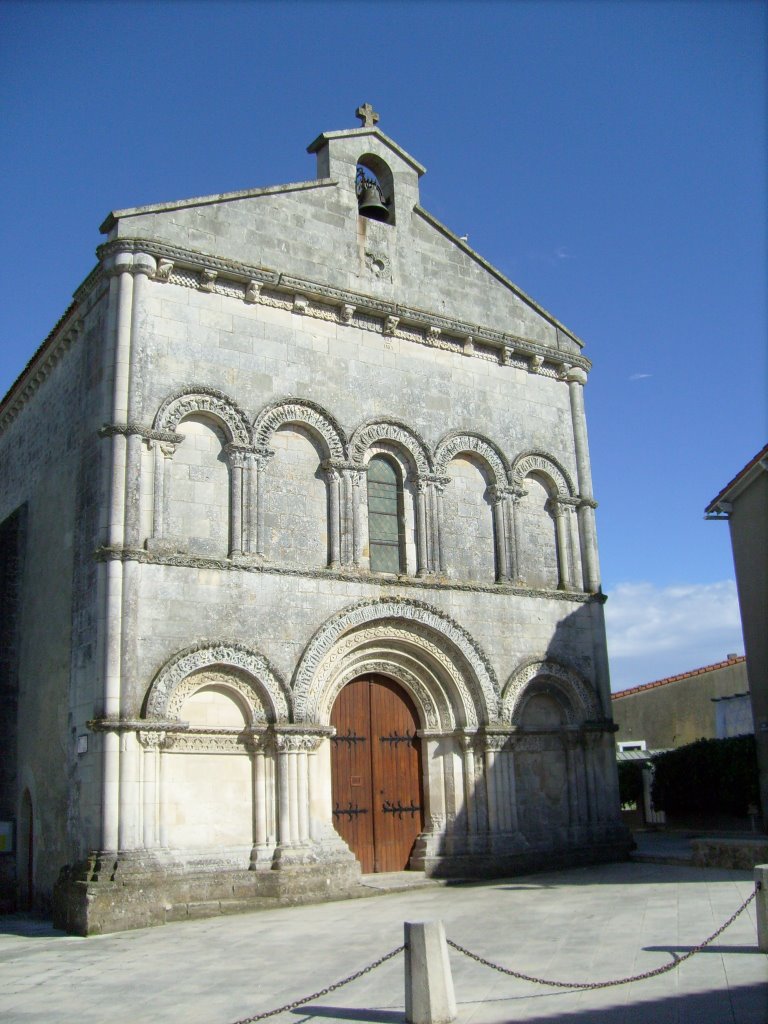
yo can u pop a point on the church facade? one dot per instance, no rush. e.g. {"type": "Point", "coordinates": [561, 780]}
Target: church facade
{"type": "Point", "coordinates": [300, 574]}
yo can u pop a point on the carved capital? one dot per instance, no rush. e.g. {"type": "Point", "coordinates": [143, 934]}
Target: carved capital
{"type": "Point", "coordinates": [252, 291]}
{"type": "Point", "coordinates": [432, 335]}
{"type": "Point", "coordinates": [576, 375]}
{"type": "Point", "coordinates": [390, 324]}
{"type": "Point", "coordinates": [238, 455]}
{"type": "Point", "coordinates": [468, 345]}
{"type": "Point", "coordinates": [153, 739]}
{"type": "Point", "coordinates": [261, 457]}
{"type": "Point", "coordinates": [300, 304]}
{"type": "Point", "coordinates": [554, 507]}
{"type": "Point", "coordinates": [300, 740]}
{"type": "Point", "coordinates": [346, 313]}
{"type": "Point", "coordinates": [493, 742]}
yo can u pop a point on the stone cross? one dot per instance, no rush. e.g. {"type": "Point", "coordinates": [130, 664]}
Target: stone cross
{"type": "Point", "coordinates": [368, 116]}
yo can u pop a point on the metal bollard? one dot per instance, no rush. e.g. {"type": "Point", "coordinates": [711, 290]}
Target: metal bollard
{"type": "Point", "coordinates": [429, 996]}
{"type": "Point", "coordinates": [761, 905]}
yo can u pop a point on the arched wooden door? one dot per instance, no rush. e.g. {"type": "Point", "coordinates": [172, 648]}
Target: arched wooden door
{"type": "Point", "coordinates": [376, 771]}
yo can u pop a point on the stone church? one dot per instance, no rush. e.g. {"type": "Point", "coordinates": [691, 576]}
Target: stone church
{"type": "Point", "coordinates": [299, 567]}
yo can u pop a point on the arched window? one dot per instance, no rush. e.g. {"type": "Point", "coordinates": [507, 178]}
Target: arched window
{"type": "Point", "coordinates": [385, 517]}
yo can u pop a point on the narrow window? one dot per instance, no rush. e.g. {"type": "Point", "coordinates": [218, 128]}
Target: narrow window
{"type": "Point", "coordinates": [385, 517]}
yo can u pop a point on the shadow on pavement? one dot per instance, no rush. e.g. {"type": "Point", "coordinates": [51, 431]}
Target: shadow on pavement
{"type": "Point", "coordinates": [350, 1013]}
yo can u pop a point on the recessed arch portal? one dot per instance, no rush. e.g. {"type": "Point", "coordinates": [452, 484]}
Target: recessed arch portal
{"type": "Point", "coordinates": [443, 657]}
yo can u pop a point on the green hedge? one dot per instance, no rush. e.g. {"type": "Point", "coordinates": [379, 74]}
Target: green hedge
{"type": "Point", "coordinates": [630, 782]}
{"type": "Point", "coordinates": [707, 777]}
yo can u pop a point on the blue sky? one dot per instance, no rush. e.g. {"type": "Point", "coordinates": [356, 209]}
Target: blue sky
{"type": "Point", "coordinates": [609, 157]}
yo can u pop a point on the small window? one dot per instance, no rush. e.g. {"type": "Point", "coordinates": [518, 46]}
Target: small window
{"type": "Point", "coordinates": [631, 745]}
{"type": "Point", "coordinates": [385, 517]}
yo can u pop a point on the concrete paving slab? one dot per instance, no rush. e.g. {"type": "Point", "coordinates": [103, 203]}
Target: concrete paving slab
{"type": "Point", "coordinates": [582, 924]}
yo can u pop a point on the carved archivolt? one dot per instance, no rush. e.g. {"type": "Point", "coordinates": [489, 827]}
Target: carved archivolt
{"type": "Point", "coordinates": [540, 462]}
{"type": "Point", "coordinates": [380, 651]}
{"type": "Point", "coordinates": [456, 443]}
{"type": "Point", "coordinates": [199, 399]}
{"type": "Point", "coordinates": [396, 432]}
{"type": "Point", "coordinates": [405, 622]}
{"type": "Point", "coordinates": [305, 413]}
{"type": "Point", "coordinates": [578, 698]}
{"type": "Point", "coordinates": [242, 670]}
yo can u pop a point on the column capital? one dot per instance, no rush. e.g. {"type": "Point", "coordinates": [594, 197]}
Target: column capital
{"type": "Point", "coordinates": [576, 375]}
{"type": "Point", "coordinates": [295, 739]}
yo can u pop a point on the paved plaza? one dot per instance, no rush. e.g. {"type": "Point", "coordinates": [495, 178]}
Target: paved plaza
{"type": "Point", "coordinates": [580, 924]}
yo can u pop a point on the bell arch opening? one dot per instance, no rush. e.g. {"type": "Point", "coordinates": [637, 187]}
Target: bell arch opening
{"type": "Point", "coordinates": [374, 187]}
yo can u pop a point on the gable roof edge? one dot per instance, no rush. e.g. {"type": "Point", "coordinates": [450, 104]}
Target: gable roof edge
{"type": "Point", "coordinates": [222, 197]}
{"type": "Point", "coordinates": [439, 226]}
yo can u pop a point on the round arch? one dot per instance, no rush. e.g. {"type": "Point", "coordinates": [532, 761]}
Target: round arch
{"type": "Point", "coordinates": [396, 433]}
{"type": "Point", "coordinates": [208, 402]}
{"type": "Point", "coordinates": [461, 442]}
{"type": "Point", "coordinates": [241, 670]}
{"type": "Point", "coordinates": [436, 660]}
{"type": "Point", "coordinates": [304, 413]}
{"type": "Point", "coordinates": [544, 465]}
{"type": "Point", "coordinates": [575, 695]}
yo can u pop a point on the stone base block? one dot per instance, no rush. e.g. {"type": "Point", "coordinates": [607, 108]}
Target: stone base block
{"type": "Point", "coordinates": [500, 864]}
{"type": "Point", "coordinates": [109, 893]}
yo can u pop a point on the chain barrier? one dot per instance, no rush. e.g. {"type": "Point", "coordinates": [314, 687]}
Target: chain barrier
{"type": "Point", "coordinates": [606, 984]}
{"type": "Point", "coordinates": [507, 970]}
{"type": "Point", "coordinates": [323, 991]}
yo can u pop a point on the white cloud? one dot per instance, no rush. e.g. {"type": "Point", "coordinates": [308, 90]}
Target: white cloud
{"type": "Point", "coordinates": [640, 376]}
{"type": "Point", "coordinates": [655, 632]}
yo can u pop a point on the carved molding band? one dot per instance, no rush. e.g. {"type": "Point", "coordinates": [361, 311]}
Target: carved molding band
{"type": "Point", "coordinates": [201, 399]}
{"type": "Point", "coordinates": [580, 700]}
{"type": "Point", "coordinates": [368, 434]}
{"type": "Point", "coordinates": [451, 638]}
{"type": "Point", "coordinates": [305, 413]}
{"type": "Point", "coordinates": [457, 443]}
{"type": "Point", "coordinates": [540, 462]}
{"type": "Point", "coordinates": [254, 679]}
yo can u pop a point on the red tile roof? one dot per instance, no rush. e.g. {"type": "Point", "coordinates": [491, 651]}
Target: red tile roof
{"type": "Point", "coordinates": [760, 455]}
{"type": "Point", "coordinates": [677, 678]}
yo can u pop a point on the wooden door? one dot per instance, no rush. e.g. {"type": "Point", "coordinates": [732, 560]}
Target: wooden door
{"type": "Point", "coordinates": [376, 772]}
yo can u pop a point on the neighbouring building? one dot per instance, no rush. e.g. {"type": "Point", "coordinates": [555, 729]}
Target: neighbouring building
{"type": "Point", "coordinates": [299, 568]}
{"type": "Point", "coordinates": [681, 709]}
{"type": "Point", "coordinates": [744, 504]}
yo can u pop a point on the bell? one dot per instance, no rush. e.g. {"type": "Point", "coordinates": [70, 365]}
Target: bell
{"type": "Point", "coordinates": [369, 203]}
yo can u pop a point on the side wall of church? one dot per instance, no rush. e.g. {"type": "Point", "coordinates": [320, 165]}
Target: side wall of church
{"type": "Point", "coordinates": [51, 464]}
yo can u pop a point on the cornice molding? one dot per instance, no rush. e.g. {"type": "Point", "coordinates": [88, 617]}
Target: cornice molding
{"type": "Point", "coordinates": [360, 576]}
{"type": "Point", "coordinates": [193, 269]}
